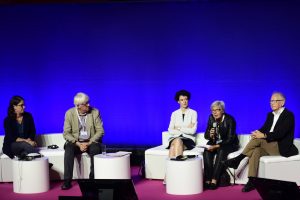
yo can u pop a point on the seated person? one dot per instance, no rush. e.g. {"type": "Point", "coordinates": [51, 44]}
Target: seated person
{"type": "Point", "coordinates": [82, 131]}
{"type": "Point", "coordinates": [275, 137]}
{"type": "Point", "coordinates": [19, 130]}
{"type": "Point", "coordinates": [222, 140]}
{"type": "Point", "coordinates": [182, 127]}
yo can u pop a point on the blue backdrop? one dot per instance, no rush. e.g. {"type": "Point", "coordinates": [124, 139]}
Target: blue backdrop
{"type": "Point", "coordinates": [131, 58]}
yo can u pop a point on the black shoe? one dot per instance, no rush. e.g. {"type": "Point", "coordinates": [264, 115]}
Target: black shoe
{"type": "Point", "coordinates": [50, 165]}
{"type": "Point", "coordinates": [22, 156]}
{"type": "Point", "coordinates": [91, 176]}
{"type": "Point", "coordinates": [213, 186]}
{"type": "Point", "coordinates": [66, 185]}
{"type": "Point", "coordinates": [181, 158]}
{"type": "Point", "coordinates": [248, 187]}
{"type": "Point", "coordinates": [232, 163]}
{"type": "Point", "coordinates": [206, 185]}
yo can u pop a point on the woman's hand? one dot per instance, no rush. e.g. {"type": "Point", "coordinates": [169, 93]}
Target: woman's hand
{"type": "Point", "coordinates": [28, 140]}
{"type": "Point", "coordinates": [213, 147]}
{"type": "Point", "coordinates": [191, 125]}
{"type": "Point", "coordinates": [212, 133]}
{"type": "Point", "coordinates": [31, 142]}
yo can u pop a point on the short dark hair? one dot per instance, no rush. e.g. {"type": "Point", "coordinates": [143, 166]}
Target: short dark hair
{"type": "Point", "coordinates": [15, 100]}
{"type": "Point", "coordinates": [182, 93]}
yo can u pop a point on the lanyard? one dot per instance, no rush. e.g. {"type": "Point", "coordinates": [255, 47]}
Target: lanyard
{"type": "Point", "coordinates": [80, 121]}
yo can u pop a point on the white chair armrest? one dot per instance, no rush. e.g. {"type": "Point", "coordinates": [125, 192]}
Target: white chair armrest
{"type": "Point", "coordinates": [200, 140]}
{"type": "Point", "coordinates": [278, 159]}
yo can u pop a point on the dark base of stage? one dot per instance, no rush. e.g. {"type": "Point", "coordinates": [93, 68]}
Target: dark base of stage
{"type": "Point", "coordinates": [270, 189]}
{"type": "Point", "coordinates": [104, 189]}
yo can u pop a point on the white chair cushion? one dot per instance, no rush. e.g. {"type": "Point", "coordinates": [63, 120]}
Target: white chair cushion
{"type": "Point", "coordinates": [274, 159]}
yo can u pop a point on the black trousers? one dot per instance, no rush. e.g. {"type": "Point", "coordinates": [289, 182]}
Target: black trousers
{"type": "Point", "coordinates": [21, 149]}
{"type": "Point", "coordinates": [71, 150]}
{"type": "Point", "coordinates": [213, 168]}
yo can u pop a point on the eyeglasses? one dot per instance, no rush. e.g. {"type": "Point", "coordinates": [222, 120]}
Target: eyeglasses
{"type": "Point", "coordinates": [275, 101]}
{"type": "Point", "coordinates": [215, 110]}
{"type": "Point", "coordinates": [84, 104]}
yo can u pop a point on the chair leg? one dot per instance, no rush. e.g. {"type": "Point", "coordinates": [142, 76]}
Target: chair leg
{"type": "Point", "coordinates": [142, 169]}
{"type": "Point", "coordinates": [233, 175]}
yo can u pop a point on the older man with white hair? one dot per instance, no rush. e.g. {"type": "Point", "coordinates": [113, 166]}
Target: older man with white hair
{"type": "Point", "coordinates": [83, 131]}
{"type": "Point", "coordinates": [275, 137]}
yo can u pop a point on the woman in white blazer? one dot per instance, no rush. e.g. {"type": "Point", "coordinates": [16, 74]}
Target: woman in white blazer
{"type": "Point", "coordinates": [182, 127]}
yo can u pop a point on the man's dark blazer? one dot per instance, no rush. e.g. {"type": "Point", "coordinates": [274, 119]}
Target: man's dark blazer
{"type": "Point", "coordinates": [283, 132]}
{"type": "Point", "coordinates": [12, 133]}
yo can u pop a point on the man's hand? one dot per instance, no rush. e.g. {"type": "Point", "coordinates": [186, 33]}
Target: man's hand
{"type": "Point", "coordinates": [82, 146]}
{"type": "Point", "coordinates": [257, 134]}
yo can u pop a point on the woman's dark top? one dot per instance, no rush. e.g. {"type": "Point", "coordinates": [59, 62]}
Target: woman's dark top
{"type": "Point", "coordinates": [227, 131]}
{"type": "Point", "coordinates": [13, 130]}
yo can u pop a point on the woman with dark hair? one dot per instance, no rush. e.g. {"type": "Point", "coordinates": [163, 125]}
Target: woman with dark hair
{"type": "Point", "coordinates": [19, 130]}
{"type": "Point", "coordinates": [182, 127]}
{"type": "Point", "coordinates": [222, 140]}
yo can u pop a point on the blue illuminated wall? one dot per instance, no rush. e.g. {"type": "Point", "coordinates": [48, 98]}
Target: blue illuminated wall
{"type": "Point", "coordinates": [131, 58]}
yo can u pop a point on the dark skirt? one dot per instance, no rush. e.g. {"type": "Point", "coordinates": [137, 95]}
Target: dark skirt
{"type": "Point", "coordinates": [187, 142]}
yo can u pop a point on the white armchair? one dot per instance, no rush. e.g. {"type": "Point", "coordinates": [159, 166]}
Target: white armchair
{"type": "Point", "coordinates": [155, 158]}
{"type": "Point", "coordinates": [271, 167]}
{"type": "Point", "coordinates": [55, 156]}
{"type": "Point", "coordinates": [281, 168]}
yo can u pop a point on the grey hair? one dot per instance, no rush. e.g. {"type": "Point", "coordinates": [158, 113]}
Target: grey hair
{"type": "Point", "coordinates": [280, 94]}
{"type": "Point", "coordinates": [219, 104]}
{"type": "Point", "coordinates": [81, 98]}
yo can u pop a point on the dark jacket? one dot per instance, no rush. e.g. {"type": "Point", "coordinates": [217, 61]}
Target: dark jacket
{"type": "Point", "coordinates": [12, 133]}
{"type": "Point", "coordinates": [227, 130]}
{"type": "Point", "coordinates": [283, 132]}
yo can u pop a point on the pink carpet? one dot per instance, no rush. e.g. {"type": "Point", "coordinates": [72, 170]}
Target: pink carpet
{"type": "Point", "coordinates": [146, 190]}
